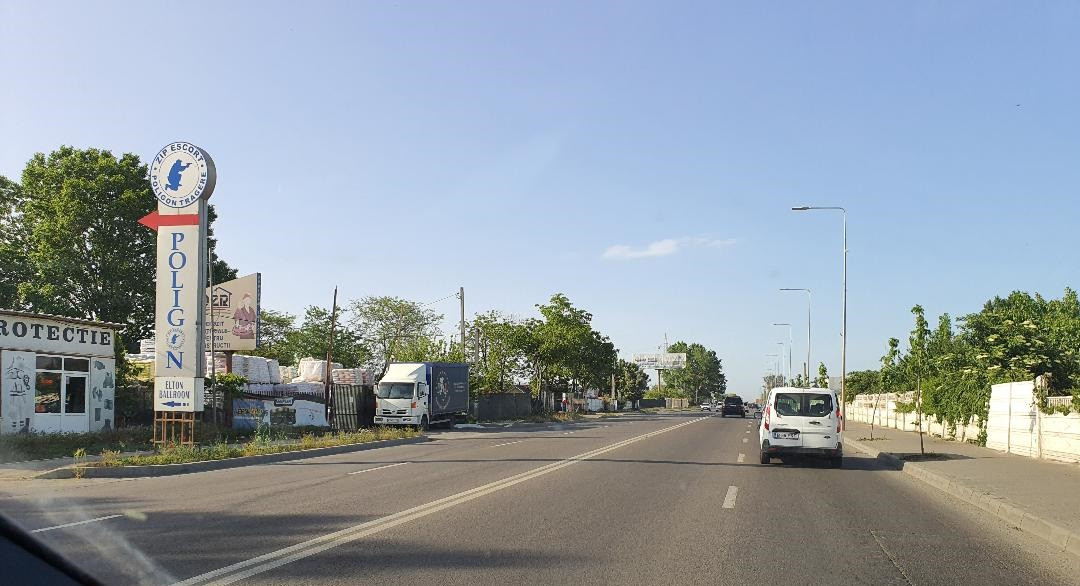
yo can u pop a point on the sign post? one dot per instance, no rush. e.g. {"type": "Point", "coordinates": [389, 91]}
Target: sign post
{"type": "Point", "coordinates": [182, 177]}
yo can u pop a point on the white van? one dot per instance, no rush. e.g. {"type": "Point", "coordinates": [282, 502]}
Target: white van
{"type": "Point", "coordinates": [801, 422]}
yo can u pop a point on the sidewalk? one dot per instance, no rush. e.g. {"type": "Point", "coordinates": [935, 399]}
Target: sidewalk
{"type": "Point", "coordinates": [1036, 496]}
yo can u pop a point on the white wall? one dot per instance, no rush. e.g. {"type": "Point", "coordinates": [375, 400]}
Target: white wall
{"type": "Point", "coordinates": [1013, 423]}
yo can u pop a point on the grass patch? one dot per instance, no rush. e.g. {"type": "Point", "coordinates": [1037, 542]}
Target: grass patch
{"type": "Point", "coordinates": [42, 446]}
{"type": "Point", "coordinates": [174, 454]}
{"type": "Point", "coordinates": [558, 416]}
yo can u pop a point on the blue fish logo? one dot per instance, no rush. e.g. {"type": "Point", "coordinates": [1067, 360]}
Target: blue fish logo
{"type": "Point", "coordinates": [174, 175]}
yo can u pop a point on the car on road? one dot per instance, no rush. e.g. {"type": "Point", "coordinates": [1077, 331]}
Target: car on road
{"type": "Point", "coordinates": [706, 407]}
{"type": "Point", "coordinates": [801, 422]}
{"type": "Point", "coordinates": [732, 406]}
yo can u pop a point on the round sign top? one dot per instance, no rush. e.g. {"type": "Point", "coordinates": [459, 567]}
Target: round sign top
{"type": "Point", "coordinates": [182, 174]}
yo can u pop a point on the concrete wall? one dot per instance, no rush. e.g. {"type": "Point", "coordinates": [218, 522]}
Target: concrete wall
{"type": "Point", "coordinates": [1013, 423]}
{"type": "Point", "coordinates": [885, 415]}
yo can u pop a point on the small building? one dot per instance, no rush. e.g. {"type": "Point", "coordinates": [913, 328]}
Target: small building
{"type": "Point", "coordinates": [57, 374]}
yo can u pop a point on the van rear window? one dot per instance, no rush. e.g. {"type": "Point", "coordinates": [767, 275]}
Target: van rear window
{"type": "Point", "coordinates": [804, 404]}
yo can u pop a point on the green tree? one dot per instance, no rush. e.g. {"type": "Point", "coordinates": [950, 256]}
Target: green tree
{"type": "Point", "coordinates": [276, 330]}
{"type": "Point", "coordinates": [385, 325]}
{"type": "Point", "coordinates": [500, 353]}
{"type": "Point", "coordinates": [703, 374]}
{"type": "Point", "coordinates": [563, 349]}
{"type": "Point", "coordinates": [13, 263]}
{"type": "Point", "coordinates": [822, 380]}
{"type": "Point", "coordinates": [80, 249]}
{"type": "Point", "coordinates": [799, 381]}
{"type": "Point", "coordinates": [861, 382]}
{"type": "Point", "coordinates": [310, 339]}
{"type": "Point", "coordinates": [919, 365]}
{"type": "Point", "coordinates": [630, 381]}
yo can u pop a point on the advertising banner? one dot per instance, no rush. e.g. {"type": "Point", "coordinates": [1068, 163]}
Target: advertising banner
{"type": "Point", "coordinates": [17, 370]}
{"type": "Point", "coordinates": [232, 310]}
{"type": "Point", "coordinates": [662, 360]}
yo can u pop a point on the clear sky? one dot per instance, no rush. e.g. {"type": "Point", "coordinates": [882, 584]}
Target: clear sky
{"type": "Point", "coordinates": [639, 157]}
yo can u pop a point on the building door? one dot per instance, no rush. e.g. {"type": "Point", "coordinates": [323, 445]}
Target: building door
{"type": "Point", "coordinates": [60, 396]}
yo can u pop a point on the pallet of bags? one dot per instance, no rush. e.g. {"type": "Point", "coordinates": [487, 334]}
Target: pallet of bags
{"type": "Point", "coordinates": [240, 365]}
{"type": "Point", "coordinates": [309, 388]}
{"type": "Point", "coordinates": [258, 369]}
{"type": "Point", "coordinates": [284, 389]}
{"type": "Point", "coordinates": [313, 370]}
{"type": "Point", "coordinates": [275, 371]}
{"type": "Point", "coordinates": [287, 373]}
{"type": "Point", "coordinates": [351, 376]}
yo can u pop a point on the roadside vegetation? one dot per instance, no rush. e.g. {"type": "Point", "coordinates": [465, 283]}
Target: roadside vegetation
{"type": "Point", "coordinates": [257, 446]}
{"type": "Point", "coordinates": [950, 369]}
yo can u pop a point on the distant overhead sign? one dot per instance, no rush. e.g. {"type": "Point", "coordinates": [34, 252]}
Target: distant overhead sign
{"type": "Point", "coordinates": [662, 360]}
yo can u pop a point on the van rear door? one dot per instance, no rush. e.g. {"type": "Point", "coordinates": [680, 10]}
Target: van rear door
{"type": "Point", "coordinates": [812, 415]}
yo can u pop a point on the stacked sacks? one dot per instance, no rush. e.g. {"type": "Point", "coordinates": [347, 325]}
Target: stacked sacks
{"type": "Point", "coordinates": [313, 370]}
{"type": "Point", "coordinates": [275, 371]}
{"type": "Point", "coordinates": [351, 376]}
{"type": "Point", "coordinates": [286, 373]}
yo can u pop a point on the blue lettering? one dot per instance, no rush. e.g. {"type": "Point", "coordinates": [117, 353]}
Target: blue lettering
{"type": "Point", "coordinates": [171, 358]}
{"type": "Point", "coordinates": [177, 238]}
{"type": "Point", "coordinates": [183, 260]}
{"type": "Point", "coordinates": [179, 321]}
{"type": "Point", "coordinates": [176, 297]}
{"type": "Point", "coordinates": [176, 285]}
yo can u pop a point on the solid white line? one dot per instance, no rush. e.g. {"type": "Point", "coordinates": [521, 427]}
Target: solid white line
{"type": "Point", "coordinates": [748, 431]}
{"type": "Point", "coordinates": [742, 458]}
{"type": "Point", "coordinates": [75, 523]}
{"type": "Point", "coordinates": [729, 500]}
{"type": "Point", "coordinates": [378, 468]}
{"type": "Point", "coordinates": [507, 444]}
{"type": "Point", "coordinates": [745, 439]}
{"type": "Point", "coordinates": [274, 559]}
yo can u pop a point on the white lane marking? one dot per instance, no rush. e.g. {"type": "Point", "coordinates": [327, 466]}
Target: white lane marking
{"type": "Point", "coordinates": [75, 523]}
{"type": "Point", "coordinates": [507, 444]}
{"type": "Point", "coordinates": [729, 500]}
{"type": "Point", "coordinates": [742, 458]}
{"type": "Point", "coordinates": [745, 439]}
{"type": "Point", "coordinates": [378, 468]}
{"type": "Point", "coordinates": [748, 431]}
{"type": "Point", "coordinates": [274, 559]}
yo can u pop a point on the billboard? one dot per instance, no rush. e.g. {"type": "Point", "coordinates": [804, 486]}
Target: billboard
{"type": "Point", "coordinates": [661, 361]}
{"type": "Point", "coordinates": [233, 309]}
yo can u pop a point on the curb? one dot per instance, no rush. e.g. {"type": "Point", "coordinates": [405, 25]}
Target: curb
{"type": "Point", "coordinates": [1058, 536]}
{"type": "Point", "coordinates": [157, 470]}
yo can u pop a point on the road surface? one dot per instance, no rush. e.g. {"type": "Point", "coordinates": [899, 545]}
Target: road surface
{"type": "Point", "coordinates": [638, 499]}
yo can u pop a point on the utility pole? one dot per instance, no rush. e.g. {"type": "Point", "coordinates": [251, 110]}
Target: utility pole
{"type": "Point", "coordinates": [213, 362]}
{"type": "Point", "coordinates": [461, 296]}
{"type": "Point", "coordinates": [329, 361]}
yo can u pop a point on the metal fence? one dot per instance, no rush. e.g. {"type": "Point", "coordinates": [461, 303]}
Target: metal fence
{"type": "Point", "coordinates": [502, 406]}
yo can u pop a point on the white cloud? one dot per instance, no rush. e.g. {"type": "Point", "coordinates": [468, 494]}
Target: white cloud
{"type": "Point", "coordinates": [665, 247]}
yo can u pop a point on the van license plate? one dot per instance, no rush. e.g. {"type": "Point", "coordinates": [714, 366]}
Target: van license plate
{"type": "Point", "coordinates": [785, 435]}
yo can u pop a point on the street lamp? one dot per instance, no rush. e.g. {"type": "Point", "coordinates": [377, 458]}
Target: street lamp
{"type": "Point", "coordinates": [781, 359]}
{"type": "Point", "coordinates": [789, 348]}
{"type": "Point", "coordinates": [807, 327]}
{"type": "Point", "coordinates": [843, 334]}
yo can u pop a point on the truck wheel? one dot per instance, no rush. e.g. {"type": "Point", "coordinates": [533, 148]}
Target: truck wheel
{"type": "Point", "coordinates": [424, 426]}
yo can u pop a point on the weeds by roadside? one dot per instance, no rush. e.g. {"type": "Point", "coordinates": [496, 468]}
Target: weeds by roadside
{"type": "Point", "coordinates": [260, 445]}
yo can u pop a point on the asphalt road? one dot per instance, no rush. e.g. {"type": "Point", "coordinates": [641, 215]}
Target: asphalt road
{"type": "Point", "coordinates": [674, 499]}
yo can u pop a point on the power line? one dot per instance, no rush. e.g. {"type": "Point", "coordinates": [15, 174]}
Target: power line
{"type": "Point", "coordinates": [454, 294]}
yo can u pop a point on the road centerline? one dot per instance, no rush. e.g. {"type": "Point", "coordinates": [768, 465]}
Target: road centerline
{"type": "Point", "coordinates": [377, 468]}
{"type": "Point", "coordinates": [274, 559]}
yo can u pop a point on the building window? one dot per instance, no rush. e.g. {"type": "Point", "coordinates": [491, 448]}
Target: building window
{"type": "Point", "coordinates": [60, 385]}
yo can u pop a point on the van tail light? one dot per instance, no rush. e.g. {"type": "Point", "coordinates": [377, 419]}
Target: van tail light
{"type": "Point", "coordinates": [766, 418]}
{"type": "Point", "coordinates": [413, 405]}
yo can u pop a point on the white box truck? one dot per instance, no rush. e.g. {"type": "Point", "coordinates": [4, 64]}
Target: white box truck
{"type": "Point", "coordinates": [422, 394]}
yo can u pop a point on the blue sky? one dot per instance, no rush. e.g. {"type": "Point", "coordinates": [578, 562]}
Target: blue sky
{"type": "Point", "coordinates": [639, 157]}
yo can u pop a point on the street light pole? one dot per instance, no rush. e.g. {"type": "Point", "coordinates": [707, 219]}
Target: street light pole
{"type": "Point", "coordinates": [843, 333]}
{"type": "Point", "coordinates": [807, 327]}
{"type": "Point", "coordinates": [790, 348]}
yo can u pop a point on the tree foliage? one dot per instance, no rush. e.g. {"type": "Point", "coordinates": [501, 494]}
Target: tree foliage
{"type": "Point", "coordinates": [630, 381]}
{"type": "Point", "coordinates": [385, 326]}
{"type": "Point", "coordinates": [703, 375]}
{"type": "Point", "coordinates": [822, 380]}
{"type": "Point", "coordinates": [72, 242]}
